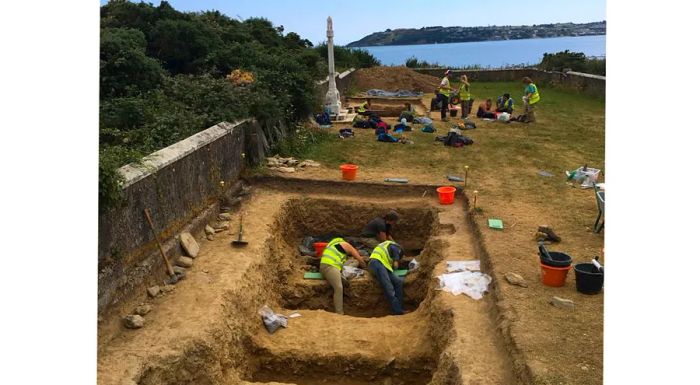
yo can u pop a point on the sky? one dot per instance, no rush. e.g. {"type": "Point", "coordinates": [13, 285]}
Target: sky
{"type": "Point", "coordinates": [308, 17]}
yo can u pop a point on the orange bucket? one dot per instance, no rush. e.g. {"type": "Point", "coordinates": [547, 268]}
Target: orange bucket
{"type": "Point", "coordinates": [349, 171]}
{"type": "Point", "coordinates": [446, 195]}
{"type": "Point", "coordinates": [320, 246]}
{"type": "Point", "coordinates": [554, 276]}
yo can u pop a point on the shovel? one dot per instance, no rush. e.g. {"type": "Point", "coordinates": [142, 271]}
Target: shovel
{"type": "Point", "coordinates": [173, 277]}
{"type": "Point", "coordinates": [597, 265]}
{"type": "Point", "coordinates": [240, 241]}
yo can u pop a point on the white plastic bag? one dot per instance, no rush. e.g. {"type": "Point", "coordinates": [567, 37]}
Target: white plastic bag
{"type": "Point", "coordinates": [471, 265]}
{"type": "Point", "coordinates": [413, 265]}
{"type": "Point", "coordinates": [350, 272]}
{"type": "Point", "coordinates": [271, 320]}
{"type": "Point", "coordinates": [503, 117]}
{"type": "Point", "coordinates": [471, 283]}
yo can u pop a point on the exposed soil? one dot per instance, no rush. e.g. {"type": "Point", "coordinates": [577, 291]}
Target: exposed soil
{"type": "Point", "coordinates": [393, 79]}
{"type": "Point", "coordinates": [207, 331]}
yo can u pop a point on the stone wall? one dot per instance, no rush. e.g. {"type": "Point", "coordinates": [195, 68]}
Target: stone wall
{"type": "Point", "coordinates": [586, 83]}
{"type": "Point", "coordinates": [179, 184]}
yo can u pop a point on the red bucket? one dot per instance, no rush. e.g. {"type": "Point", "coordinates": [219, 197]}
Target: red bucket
{"type": "Point", "coordinates": [320, 246]}
{"type": "Point", "coordinates": [554, 276]}
{"type": "Point", "coordinates": [446, 195]}
{"type": "Point", "coordinates": [349, 171]}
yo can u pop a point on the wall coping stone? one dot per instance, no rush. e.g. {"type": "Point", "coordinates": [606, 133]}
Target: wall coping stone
{"type": "Point", "coordinates": [160, 159]}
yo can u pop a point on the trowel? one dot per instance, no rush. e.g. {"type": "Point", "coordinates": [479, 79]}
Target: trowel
{"type": "Point", "coordinates": [240, 241]}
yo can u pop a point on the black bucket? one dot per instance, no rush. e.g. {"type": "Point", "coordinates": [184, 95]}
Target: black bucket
{"type": "Point", "coordinates": [558, 259]}
{"type": "Point", "coordinates": [588, 279]}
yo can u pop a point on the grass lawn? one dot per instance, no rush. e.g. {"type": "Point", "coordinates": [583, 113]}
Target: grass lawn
{"type": "Point", "coordinates": [559, 346]}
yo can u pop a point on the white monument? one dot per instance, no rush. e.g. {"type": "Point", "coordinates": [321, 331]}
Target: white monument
{"type": "Point", "coordinates": [332, 96]}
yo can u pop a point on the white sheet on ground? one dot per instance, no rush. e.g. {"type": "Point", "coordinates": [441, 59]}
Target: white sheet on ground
{"type": "Point", "coordinates": [471, 265]}
{"type": "Point", "coordinates": [471, 283]}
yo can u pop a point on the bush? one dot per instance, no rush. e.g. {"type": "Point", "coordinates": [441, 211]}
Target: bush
{"type": "Point", "coordinates": [346, 58]}
{"type": "Point", "coordinates": [576, 61]}
{"type": "Point", "coordinates": [163, 78]}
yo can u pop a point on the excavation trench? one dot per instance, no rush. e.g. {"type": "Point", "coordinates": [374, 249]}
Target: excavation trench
{"type": "Point", "coordinates": [364, 346]}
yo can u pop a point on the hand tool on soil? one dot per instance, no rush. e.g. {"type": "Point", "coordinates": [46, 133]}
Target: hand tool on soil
{"type": "Point", "coordinates": [396, 180]}
{"type": "Point", "coordinates": [173, 277]}
{"type": "Point", "coordinates": [466, 174]}
{"type": "Point", "coordinates": [240, 241]}
{"type": "Point", "coordinates": [597, 264]}
{"type": "Point", "coordinates": [453, 178]}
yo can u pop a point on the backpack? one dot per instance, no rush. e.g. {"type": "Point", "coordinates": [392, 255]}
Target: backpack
{"type": "Point", "coordinates": [384, 137]}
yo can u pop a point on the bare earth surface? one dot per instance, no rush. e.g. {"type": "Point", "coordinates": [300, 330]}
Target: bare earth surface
{"type": "Point", "coordinates": [207, 330]}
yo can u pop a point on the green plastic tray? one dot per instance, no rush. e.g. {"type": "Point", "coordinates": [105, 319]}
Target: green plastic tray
{"type": "Point", "coordinates": [312, 275]}
{"type": "Point", "coordinates": [495, 223]}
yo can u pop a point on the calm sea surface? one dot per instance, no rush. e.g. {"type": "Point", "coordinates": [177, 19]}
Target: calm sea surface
{"type": "Point", "coordinates": [489, 53]}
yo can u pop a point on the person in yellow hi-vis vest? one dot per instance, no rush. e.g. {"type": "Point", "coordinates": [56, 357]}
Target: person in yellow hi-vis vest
{"type": "Point", "coordinates": [334, 256]}
{"type": "Point", "coordinates": [384, 259]}
{"type": "Point", "coordinates": [465, 96]}
{"type": "Point", "coordinates": [444, 94]}
{"type": "Point", "coordinates": [532, 96]}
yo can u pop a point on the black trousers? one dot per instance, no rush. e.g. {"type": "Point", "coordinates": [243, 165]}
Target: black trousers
{"type": "Point", "coordinates": [444, 100]}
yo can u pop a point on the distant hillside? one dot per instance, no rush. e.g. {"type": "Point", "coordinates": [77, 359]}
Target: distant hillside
{"type": "Point", "coordinates": [431, 35]}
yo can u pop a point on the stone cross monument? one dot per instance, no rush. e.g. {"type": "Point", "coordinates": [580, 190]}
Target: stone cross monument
{"type": "Point", "coordinates": [332, 96]}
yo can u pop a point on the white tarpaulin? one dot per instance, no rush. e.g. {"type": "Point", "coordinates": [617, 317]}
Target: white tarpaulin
{"type": "Point", "coordinates": [471, 283]}
{"type": "Point", "coordinates": [472, 265]}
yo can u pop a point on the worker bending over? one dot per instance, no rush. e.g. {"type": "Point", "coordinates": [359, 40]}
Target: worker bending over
{"type": "Point", "coordinates": [384, 259]}
{"type": "Point", "coordinates": [504, 104]}
{"type": "Point", "coordinates": [334, 256]}
{"type": "Point", "coordinates": [364, 108]}
{"type": "Point", "coordinates": [379, 229]}
{"type": "Point", "coordinates": [532, 96]}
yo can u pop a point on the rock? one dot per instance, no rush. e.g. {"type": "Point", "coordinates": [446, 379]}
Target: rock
{"type": "Point", "coordinates": [179, 271]}
{"type": "Point", "coordinates": [515, 279]}
{"type": "Point", "coordinates": [291, 162]}
{"type": "Point", "coordinates": [285, 169]}
{"type": "Point", "coordinates": [245, 190]}
{"type": "Point", "coordinates": [142, 309]}
{"type": "Point", "coordinates": [562, 303]}
{"type": "Point", "coordinates": [224, 209]}
{"type": "Point", "coordinates": [189, 244]}
{"type": "Point", "coordinates": [210, 237]}
{"type": "Point", "coordinates": [168, 288]}
{"type": "Point", "coordinates": [234, 201]}
{"type": "Point", "coordinates": [550, 233]}
{"type": "Point", "coordinates": [218, 230]}
{"type": "Point", "coordinates": [153, 291]}
{"type": "Point", "coordinates": [208, 230]}
{"type": "Point", "coordinates": [309, 163]}
{"type": "Point", "coordinates": [184, 261]}
{"type": "Point", "coordinates": [221, 226]}
{"type": "Point", "coordinates": [134, 321]}
{"type": "Point", "coordinates": [224, 217]}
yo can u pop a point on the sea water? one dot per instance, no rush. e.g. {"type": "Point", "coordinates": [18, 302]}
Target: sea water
{"type": "Point", "coordinates": [489, 54]}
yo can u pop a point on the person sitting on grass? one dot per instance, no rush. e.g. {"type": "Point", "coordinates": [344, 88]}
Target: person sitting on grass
{"type": "Point", "coordinates": [484, 110]}
{"type": "Point", "coordinates": [504, 104]}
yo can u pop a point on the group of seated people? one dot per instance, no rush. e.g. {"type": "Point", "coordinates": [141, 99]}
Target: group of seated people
{"type": "Point", "coordinates": [504, 103]}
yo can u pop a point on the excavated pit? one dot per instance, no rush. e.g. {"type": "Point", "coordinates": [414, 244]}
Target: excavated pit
{"type": "Point", "coordinates": [364, 346]}
{"type": "Point", "coordinates": [363, 297]}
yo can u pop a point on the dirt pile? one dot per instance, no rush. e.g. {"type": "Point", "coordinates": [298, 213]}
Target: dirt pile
{"type": "Point", "coordinates": [393, 79]}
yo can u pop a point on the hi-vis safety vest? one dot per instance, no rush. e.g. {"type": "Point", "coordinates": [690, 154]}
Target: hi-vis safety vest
{"type": "Point", "coordinates": [535, 95]}
{"type": "Point", "coordinates": [445, 91]}
{"type": "Point", "coordinates": [331, 255]}
{"type": "Point", "coordinates": [381, 253]}
{"type": "Point", "coordinates": [506, 103]}
{"type": "Point", "coordinates": [464, 92]}
{"type": "Point", "coordinates": [362, 107]}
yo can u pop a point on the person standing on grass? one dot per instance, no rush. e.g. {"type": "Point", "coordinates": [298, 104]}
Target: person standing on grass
{"type": "Point", "coordinates": [444, 95]}
{"type": "Point", "coordinates": [532, 96]}
{"type": "Point", "coordinates": [384, 259]}
{"type": "Point", "coordinates": [331, 266]}
{"type": "Point", "coordinates": [465, 96]}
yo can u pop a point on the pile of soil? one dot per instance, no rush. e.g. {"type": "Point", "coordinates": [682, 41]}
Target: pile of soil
{"type": "Point", "coordinates": [393, 79]}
